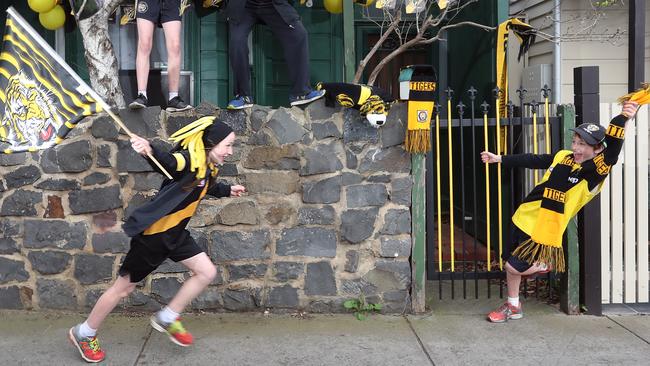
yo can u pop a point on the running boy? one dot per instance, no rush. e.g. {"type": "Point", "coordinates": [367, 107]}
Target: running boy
{"type": "Point", "coordinates": [573, 177]}
{"type": "Point", "coordinates": [157, 230]}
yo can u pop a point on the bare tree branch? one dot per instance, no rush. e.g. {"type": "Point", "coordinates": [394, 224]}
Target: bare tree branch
{"type": "Point", "coordinates": [362, 65]}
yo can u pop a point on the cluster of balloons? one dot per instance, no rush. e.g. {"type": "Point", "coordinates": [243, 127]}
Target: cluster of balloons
{"type": "Point", "coordinates": [50, 13]}
{"type": "Point", "coordinates": [336, 6]}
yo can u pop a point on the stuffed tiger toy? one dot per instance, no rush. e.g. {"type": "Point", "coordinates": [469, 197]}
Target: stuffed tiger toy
{"type": "Point", "coordinates": [372, 102]}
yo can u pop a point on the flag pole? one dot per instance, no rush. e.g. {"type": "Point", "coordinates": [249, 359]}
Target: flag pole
{"type": "Point", "coordinates": [83, 87]}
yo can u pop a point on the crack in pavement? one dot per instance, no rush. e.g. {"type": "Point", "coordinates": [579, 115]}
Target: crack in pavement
{"type": "Point", "coordinates": [417, 336]}
{"type": "Point", "coordinates": [144, 344]}
{"type": "Point", "coordinates": [628, 329]}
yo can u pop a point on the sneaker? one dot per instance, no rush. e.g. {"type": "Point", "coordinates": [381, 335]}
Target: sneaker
{"type": "Point", "coordinates": [139, 102]}
{"type": "Point", "coordinates": [240, 102]}
{"type": "Point", "coordinates": [506, 312]}
{"type": "Point", "coordinates": [88, 346]}
{"type": "Point", "coordinates": [307, 98]}
{"type": "Point", "coordinates": [176, 104]}
{"type": "Point", "coordinates": [174, 330]}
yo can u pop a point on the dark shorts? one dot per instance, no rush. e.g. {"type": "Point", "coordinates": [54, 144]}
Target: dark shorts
{"type": "Point", "coordinates": [159, 11]}
{"type": "Point", "coordinates": [150, 251]}
{"type": "Point", "coordinates": [517, 237]}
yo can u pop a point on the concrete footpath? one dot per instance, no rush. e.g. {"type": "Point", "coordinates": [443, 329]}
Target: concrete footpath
{"type": "Point", "coordinates": [446, 337]}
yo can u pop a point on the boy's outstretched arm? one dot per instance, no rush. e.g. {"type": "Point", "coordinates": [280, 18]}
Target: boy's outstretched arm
{"type": "Point", "coordinates": [490, 158]}
{"type": "Point", "coordinates": [530, 161]}
{"type": "Point", "coordinates": [615, 134]}
{"type": "Point", "coordinates": [173, 164]}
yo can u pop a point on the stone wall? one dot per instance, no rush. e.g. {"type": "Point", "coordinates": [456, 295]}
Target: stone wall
{"type": "Point", "coordinates": [326, 218]}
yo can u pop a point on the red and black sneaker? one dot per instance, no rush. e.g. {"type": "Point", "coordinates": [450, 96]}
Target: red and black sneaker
{"type": "Point", "coordinates": [88, 347]}
{"type": "Point", "coordinates": [174, 330]}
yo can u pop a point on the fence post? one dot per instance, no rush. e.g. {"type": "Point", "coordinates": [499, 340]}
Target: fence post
{"type": "Point", "coordinates": [570, 283]}
{"type": "Point", "coordinates": [587, 101]}
{"type": "Point", "coordinates": [418, 234]}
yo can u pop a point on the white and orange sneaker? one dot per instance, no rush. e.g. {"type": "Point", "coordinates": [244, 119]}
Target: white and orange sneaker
{"type": "Point", "coordinates": [506, 312]}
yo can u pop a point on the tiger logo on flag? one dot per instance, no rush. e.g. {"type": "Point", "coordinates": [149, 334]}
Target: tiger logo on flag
{"type": "Point", "coordinates": [30, 114]}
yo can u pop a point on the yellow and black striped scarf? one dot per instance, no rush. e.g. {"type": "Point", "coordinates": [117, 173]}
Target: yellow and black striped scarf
{"type": "Point", "coordinates": [543, 245]}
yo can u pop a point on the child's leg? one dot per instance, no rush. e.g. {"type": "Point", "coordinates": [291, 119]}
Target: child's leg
{"type": "Point", "coordinates": [166, 320]}
{"type": "Point", "coordinates": [513, 277]}
{"type": "Point", "coordinates": [83, 335]}
{"type": "Point", "coordinates": [120, 289]}
{"type": "Point", "coordinates": [204, 272]}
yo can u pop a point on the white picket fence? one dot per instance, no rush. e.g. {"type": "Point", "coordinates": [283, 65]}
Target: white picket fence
{"type": "Point", "coordinates": [624, 215]}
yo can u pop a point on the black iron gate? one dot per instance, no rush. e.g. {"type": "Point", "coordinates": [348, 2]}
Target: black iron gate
{"type": "Point", "coordinates": [458, 200]}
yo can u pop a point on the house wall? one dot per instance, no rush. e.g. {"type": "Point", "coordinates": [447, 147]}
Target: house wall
{"type": "Point", "coordinates": [611, 56]}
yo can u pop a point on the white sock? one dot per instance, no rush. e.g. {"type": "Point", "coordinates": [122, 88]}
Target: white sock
{"type": "Point", "coordinates": [514, 301]}
{"type": "Point", "coordinates": [86, 331]}
{"type": "Point", "coordinates": [143, 92]}
{"type": "Point", "coordinates": [172, 95]}
{"type": "Point", "coordinates": [167, 315]}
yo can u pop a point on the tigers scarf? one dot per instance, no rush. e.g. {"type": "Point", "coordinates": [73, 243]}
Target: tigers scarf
{"type": "Point", "coordinates": [545, 243]}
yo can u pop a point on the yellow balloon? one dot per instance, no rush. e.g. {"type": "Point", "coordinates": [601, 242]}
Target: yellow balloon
{"type": "Point", "coordinates": [53, 19]}
{"type": "Point", "coordinates": [333, 6]}
{"type": "Point", "coordinates": [41, 6]}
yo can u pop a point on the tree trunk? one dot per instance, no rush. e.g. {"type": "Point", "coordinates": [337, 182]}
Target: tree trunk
{"type": "Point", "coordinates": [100, 56]}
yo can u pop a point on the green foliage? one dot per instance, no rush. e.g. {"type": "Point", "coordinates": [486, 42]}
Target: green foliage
{"type": "Point", "coordinates": [360, 307]}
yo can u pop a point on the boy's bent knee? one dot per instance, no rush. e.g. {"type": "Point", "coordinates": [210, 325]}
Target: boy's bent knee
{"type": "Point", "coordinates": [126, 291]}
{"type": "Point", "coordinates": [211, 273]}
{"type": "Point", "coordinates": [208, 273]}
{"type": "Point", "coordinates": [123, 287]}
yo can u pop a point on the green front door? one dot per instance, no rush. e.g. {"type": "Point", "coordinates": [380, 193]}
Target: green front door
{"type": "Point", "coordinates": [271, 84]}
{"type": "Point", "coordinates": [206, 54]}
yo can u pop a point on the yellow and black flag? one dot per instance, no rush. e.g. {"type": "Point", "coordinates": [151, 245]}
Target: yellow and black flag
{"type": "Point", "coordinates": [41, 98]}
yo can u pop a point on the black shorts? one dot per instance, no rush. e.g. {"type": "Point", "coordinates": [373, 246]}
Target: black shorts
{"type": "Point", "coordinates": [517, 238]}
{"type": "Point", "coordinates": [159, 11]}
{"type": "Point", "coordinates": [150, 251]}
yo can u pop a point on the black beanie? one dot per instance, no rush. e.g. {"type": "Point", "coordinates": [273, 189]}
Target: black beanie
{"type": "Point", "coordinates": [215, 133]}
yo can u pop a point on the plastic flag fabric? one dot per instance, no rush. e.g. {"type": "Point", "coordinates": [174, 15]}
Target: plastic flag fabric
{"type": "Point", "coordinates": [40, 101]}
{"type": "Point", "coordinates": [641, 96]}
